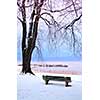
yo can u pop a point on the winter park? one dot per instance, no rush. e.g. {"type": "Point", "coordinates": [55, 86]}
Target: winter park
{"type": "Point", "coordinates": [49, 50]}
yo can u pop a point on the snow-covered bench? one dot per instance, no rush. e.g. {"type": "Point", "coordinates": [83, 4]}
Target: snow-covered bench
{"type": "Point", "coordinates": [56, 78]}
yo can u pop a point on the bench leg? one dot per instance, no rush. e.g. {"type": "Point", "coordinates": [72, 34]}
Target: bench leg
{"type": "Point", "coordinates": [66, 84]}
{"type": "Point", "coordinates": [46, 82]}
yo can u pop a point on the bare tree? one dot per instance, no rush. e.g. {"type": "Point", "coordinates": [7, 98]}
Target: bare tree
{"type": "Point", "coordinates": [62, 20]}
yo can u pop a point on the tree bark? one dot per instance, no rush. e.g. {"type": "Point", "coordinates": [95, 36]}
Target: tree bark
{"type": "Point", "coordinates": [32, 36]}
{"type": "Point", "coordinates": [26, 68]}
{"type": "Point", "coordinates": [27, 52]}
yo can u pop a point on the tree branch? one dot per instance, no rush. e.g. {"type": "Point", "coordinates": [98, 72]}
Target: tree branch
{"type": "Point", "coordinates": [71, 24]}
{"type": "Point", "coordinates": [53, 11]}
{"type": "Point", "coordinates": [46, 13]}
{"type": "Point", "coordinates": [18, 4]}
{"type": "Point", "coordinates": [74, 40]}
{"type": "Point", "coordinates": [46, 21]}
{"type": "Point", "coordinates": [74, 8]}
{"type": "Point", "coordinates": [19, 19]}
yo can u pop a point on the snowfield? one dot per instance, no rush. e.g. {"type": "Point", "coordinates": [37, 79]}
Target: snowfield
{"type": "Point", "coordinates": [31, 87]}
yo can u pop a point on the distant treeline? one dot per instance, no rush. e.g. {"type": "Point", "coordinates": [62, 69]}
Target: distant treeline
{"type": "Point", "coordinates": [47, 65]}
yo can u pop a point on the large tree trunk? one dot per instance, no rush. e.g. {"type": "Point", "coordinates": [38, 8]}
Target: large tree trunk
{"type": "Point", "coordinates": [32, 36]}
{"type": "Point", "coordinates": [27, 51]}
{"type": "Point", "coordinates": [27, 61]}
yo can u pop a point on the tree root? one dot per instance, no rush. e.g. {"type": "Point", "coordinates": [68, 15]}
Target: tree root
{"type": "Point", "coordinates": [29, 71]}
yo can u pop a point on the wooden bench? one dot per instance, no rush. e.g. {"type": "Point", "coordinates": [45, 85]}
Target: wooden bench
{"type": "Point", "coordinates": [57, 78]}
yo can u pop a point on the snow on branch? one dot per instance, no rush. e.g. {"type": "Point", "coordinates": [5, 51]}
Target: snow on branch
{"type": "Point", "coordinates": [29, 6]}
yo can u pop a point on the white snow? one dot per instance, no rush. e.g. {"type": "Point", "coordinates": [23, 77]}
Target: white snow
{"type": "Point", "coordinates": [31, 87]}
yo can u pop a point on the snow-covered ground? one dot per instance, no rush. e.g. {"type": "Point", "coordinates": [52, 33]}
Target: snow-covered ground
{"type": "Point", "coordinates": [31, 87]}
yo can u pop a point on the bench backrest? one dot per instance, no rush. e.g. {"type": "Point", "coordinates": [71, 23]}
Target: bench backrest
{"type": "Point", "coordinates": [59, 78]}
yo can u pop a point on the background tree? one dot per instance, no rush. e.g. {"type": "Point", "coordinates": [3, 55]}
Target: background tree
{"type": "Point", "coordinates": [61, 17]}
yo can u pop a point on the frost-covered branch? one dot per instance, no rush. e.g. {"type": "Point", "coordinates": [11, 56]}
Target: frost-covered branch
{"type": "Point", "coordinates": [72, 23]}
{"type": "Point", "coordinates": [19, 19]}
